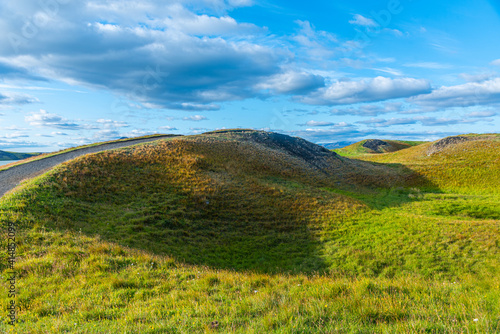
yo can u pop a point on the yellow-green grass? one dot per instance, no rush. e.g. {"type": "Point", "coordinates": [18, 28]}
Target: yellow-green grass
{"type": "Point", "coordinates": [469, 167]}
{"type": "Point", "coordinates": [357, 149]}
{"type": "Point", "coordinates": [168, 237]}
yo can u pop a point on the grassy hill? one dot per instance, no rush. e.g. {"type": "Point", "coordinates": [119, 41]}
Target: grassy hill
{"type": "Point", "coordinates": [371, 146]}
{"type": "Point", "coordinates": [253, 232]}
{"type": "Point", "coordinates": [467, 164]}
{"type": "Point", "coordinates": [4, 155]}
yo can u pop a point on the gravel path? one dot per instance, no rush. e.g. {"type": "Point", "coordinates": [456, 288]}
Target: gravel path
{"type": "Point", "coordinates": [11, 177]}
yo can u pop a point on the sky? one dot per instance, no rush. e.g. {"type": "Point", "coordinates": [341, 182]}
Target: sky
{"type": "Point", "coordinates": [78, 72]}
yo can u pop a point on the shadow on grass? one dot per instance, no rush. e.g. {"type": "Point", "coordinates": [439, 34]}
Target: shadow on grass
{"type": "Point", "coordinates": [259, 224]}
{"type": "Point", "coordinates": [407, 186]}
{"type": "Point", "coordinates": [231, 231]}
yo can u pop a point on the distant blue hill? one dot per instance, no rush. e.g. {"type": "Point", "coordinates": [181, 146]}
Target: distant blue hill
{"type": "Point", "coordinates": [339, 144]}
{"type": "Point", "coordinates": [4, 155]}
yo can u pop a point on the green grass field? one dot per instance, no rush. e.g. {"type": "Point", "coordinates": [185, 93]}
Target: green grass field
{"type": "Point", "coordinates": [239, 229]}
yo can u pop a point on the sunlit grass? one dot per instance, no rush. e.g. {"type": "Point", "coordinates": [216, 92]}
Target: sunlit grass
{"type": "Point", "coordinates": [174, 236]}
{"type": "Point", "coordinates": [357, 149]}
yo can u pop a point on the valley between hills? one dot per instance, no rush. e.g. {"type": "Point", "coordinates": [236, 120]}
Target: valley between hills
{"type": "Point", "coordinates": [244, 231]}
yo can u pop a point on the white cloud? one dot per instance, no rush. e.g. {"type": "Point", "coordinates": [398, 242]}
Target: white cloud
{"type": "Point", "coordinates": [13, 128]}
{"type": "Point", "coordinates": [14, 135]}
{"type": "Point", "coordinates": [137, 133]}
{"type": "Point", "coordinates": [195, 118]}
{"type": "Point", "coordinates": [368, 90]}
{"type": "Point", "coordinates": [477, 77]}
{"type": "Point", "coordinates": [110, 124]}
{"type": "Point", "coordinates": [495, 62]}
{"type": "Point", "coordinates": [167, 127]}
{"type": "Point", "coordinates": [469, 94]}
{"type": "Point", "coordinates": [482, 114]}
{"type": "Point", "coordinates": [429, 65]}
{"type": "Point", "coordinates": [369, 109]}
{"type": "Point", "coordinates": [293, 82]}
{"type": "Point", "coordinates": [379, 122]}
{"type": "Point", "coordinates": [319, 123]}
{"type": "Point", "coordinates": [185, 21]}
{"type": "Point", "coordinates": [425, 121]}
{"type": "Point", "coordinates": [166, 55]}
{"type": "Point", "coordinates": [360, 20]}
{"type": "Point", "coordinates": [395, 32]}
{"type": "Point", "coordinates": [8, 98]}
{"type": "Point", "coordinates": [15, 144]}
{"type": "Point", "coordinates": [316, 44]}
{"type": "Point", "coordinates": [45, 119]}
{"type": "Point", "coordinates": [106, 134]}
{"type": "Point", "coordinates": [389, 70]}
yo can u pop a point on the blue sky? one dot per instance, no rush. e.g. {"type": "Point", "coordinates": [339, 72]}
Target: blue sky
{"type": "Point", "coordinates": [76, 72]}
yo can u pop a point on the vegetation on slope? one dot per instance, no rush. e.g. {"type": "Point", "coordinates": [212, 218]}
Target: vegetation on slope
{"type": "Point", "coordinates": [374, 146]}
{"type": "Point", "coordinates": [466, 166]}
{"type": "Point", "coordinates": [259, 232]}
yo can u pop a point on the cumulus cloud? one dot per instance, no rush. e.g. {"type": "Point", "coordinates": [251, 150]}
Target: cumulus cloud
{"type": "Point", "coordinates": [195, 118]}
{"type": "Point", "coordinates": [167, 127]}
{"type": "Point", "coordinates": [360, 20]}
{"type": "Point", "coordinates": [469, 94]}
{"type": "Point", "coordinates": [175, 59]}
{"type": "Point", "coordinates": [368, 90]}
{"type": "Point", "coordinates": [106, 134]}
{"type": "Point", "coordinates": [111, 124]}
{"type": "Point", "coordinates": [8, 98]}
{"type": "Point", "coordinates": [293, 82]}
{"type": "Point", "coordinates": [185, 21]}
{"type": "Point", "coordinates": [45, 119]}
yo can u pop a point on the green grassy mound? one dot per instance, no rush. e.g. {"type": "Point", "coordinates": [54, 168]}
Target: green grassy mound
{"type": "Point", "coordinates": [259, 232]}
{"type": "Point", "coordinates": [374, 146]}
{"type": "Point", "coordinates": [470, 165]}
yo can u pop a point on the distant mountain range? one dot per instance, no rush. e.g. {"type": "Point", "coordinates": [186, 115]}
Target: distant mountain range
{"type": "Point", "coordinates": [15, 156]}
{"type": "Point", "coordinates": [339, 144]}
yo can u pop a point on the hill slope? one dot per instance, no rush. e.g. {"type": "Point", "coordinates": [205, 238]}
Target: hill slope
{"type": "Point", "coordinates": [371, 146]}
{"type": "Point", "coordinates": [240, 189]}
{"type": "Point", "coordinates": [261, 232]}
{"type": "Point", "coordinates": [466, 164]}
{"type": "Point", "coordinates": [4, 155]}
